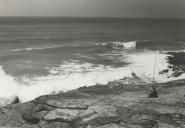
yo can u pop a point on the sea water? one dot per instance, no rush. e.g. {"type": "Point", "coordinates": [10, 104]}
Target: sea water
{"type": "Point", "coordinates": [39, 56]}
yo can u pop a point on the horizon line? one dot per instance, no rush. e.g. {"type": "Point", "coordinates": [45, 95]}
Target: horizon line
{"type": "Point", "coordinates": [91, 17]}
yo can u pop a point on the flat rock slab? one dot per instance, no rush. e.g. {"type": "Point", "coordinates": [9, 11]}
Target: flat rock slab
{"type": "Point", "coordinates": [165, 125]}
{"type": "Point", "coordinates": [68, 115]}
{"type": "Point", "coordinates": [63, 115]}
{"type": "Point", "coordinates": [112, 126]}
{"type": "Point", "coordinates": [68, 104]}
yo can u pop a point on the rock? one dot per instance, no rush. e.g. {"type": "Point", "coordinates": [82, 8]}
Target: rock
{"type": "Point", "coordinates": [115, 109]}
{"type": "Point", "coordinates": [40, 115]}
{"type": "Point", "coordinates": [101, 110]}
{"type": "Point", "coordinates": [106, 126]}
{"type": "Point", "coordinates": [68, 104]}
{"type": "Point", "coordinates": [112, 126]}
{"type": "Point", "coordinates": [165, 125]}
{"type": "Point", "coordinates": [63, 115]}
{"type": "Point", "coordinates": [16, 100]}
{"type": "Point", "coordinates": [100, 121]}
{"type": "Point", "coordinates": [42, 107]}
{"type": "Point", "coordinates": [150, 124]}
{"type": "Point", "coordinates": [28, 114]}
{"type": "Point", "coordinates": [88, 114]}
{"type": "Point", "coordinates": [30, 119]}
{"type": "Point", "coordinates": [54, 125]}
{"type": "Point", "coordinates": [139, 118]}
{"type": "Point", "coordinates": [9, 100]}
{"type": "Point", "coordinates": [27, 126]}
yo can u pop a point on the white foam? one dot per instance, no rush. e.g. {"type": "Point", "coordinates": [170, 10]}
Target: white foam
{"type": "Point", "coordinates": [103, 44]}
{"type": "Point", "coordinates": [126, 45]}
{"type": "Point", "coordinates": [142, 64]}
{"type": "Point", "coordinates": [74, 76]}
{"type": "Point", "coordinates": [71, 75]}
{"type": "Point", "coordinates": [8, 88]}
{"type": "Point", "coordinates": [34, 48]}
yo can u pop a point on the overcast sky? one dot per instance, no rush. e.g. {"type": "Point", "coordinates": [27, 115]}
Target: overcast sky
{"type": "Point", "coordinates": [94, 8]}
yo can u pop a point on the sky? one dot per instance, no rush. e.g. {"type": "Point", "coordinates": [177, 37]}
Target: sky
{"type": "Point", "coordinates": [94, 8]}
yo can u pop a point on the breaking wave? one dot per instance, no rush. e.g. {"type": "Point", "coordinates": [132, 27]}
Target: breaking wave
{"type": "Point", "coordinates": [125, 45]}
{"type": "Point", "coordinates": [71, 75]}
{"type": "Point", "coordinates": [115, 45]}
{"type": "Point", "coordinates": [34, 48]}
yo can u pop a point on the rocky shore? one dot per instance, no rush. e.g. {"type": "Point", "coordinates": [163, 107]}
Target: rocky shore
{"type": "Point", "coordinates": [176, 62]}
{"type": "Point", "coordinates": [116, 105]}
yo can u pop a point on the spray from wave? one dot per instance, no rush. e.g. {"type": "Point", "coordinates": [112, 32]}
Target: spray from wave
{"type": "Point", "coordinates": [71, 75]}
{"type": "Point", "coordinates": [9, 88]}
{"type": "Point", "coordinates": [125, 45]}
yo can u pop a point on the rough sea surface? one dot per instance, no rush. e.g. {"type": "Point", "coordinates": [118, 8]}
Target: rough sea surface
{"type": "Point", "coordinates": [44, 55]}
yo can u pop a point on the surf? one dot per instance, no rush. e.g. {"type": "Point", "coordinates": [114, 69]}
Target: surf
{"type": "Point", "coordinates": [124, 45]}
{"type": "Point", "coordinates": [73, 74]}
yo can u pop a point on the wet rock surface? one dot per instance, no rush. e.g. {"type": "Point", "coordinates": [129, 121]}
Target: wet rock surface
{"type": "Point", "coordinates": [122, 106]}
{"type": "Point", "coordinates": [176, 62]}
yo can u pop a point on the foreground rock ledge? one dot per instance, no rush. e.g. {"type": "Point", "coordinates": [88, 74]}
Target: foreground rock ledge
{"type": "Point", "coordinates": [102, 106]}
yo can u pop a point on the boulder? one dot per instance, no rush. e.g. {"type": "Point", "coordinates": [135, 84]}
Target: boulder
{"type": "Point", "coordinates": [4, 101]}
{"type": "Point", "coordinates": [15, 100]}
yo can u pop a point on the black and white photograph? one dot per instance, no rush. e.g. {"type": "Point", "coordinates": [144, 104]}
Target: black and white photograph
{"type": "Point", "coordinates": [92, 63]}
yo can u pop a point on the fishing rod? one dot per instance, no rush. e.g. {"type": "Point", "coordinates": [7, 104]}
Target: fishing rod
{"type": "Point", "coordinates": [154, 93]}
{"type": "Point", "coordinates": [153, 81]}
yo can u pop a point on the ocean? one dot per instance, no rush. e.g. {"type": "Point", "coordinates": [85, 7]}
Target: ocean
{"type": "Point", "coordinates": [42, 55]}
